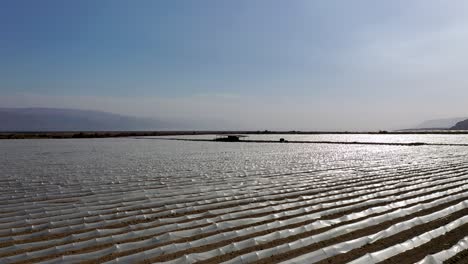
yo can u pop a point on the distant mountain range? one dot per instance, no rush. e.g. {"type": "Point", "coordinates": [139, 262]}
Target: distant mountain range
{"type": "Point", "coordinates": [54, 119]}
{"type": "Point", "coordinates": [59, 119]}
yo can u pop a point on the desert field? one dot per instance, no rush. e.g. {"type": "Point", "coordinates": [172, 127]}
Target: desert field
{"type": "Point", "coordinates": [144, 200]}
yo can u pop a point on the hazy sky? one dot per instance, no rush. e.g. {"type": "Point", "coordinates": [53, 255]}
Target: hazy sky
{"type": "Point", "coordinates": [247, 64]}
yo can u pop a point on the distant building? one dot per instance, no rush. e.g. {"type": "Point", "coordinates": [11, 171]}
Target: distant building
{"type": "Point", "coordinates": [229, 138]}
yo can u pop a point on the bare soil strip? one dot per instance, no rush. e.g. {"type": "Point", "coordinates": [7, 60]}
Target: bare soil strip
{"type": "Point", "coordinates": [435, 245]}
{"type": "Point", "coordinates": [460, 258]}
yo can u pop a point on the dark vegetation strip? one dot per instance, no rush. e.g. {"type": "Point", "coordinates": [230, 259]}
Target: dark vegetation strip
{"type": "Point", "coordinates": [409, 144]}
{"type": "Point", "coordinates": [110, 134]}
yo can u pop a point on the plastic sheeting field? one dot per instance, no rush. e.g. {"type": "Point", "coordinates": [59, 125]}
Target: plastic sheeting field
{"type": "Point", "coordinates": [155, 201]}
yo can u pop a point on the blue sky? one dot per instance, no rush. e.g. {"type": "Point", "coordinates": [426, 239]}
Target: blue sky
{"type": "Point", "coordinates": [256, 64]}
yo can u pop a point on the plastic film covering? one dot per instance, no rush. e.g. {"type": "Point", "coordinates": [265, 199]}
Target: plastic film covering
{"type": "Point", "coordinates": [82, 216]}
{"type": "Point", "coordinates": [317, 238]}
{"type": "Point", "coordinates": [218, 226]}
{"type": "Point", "coordinates": [384, 254]}
{"type": "Point", "coordinates": [352, 227]}
{"type": "Point", "coordinates": [444, 255]}
{"type": "Point", "coordinates": [75, 213]}
{"type": "Point", "coordinates": [353, 244]}
{"type": "Point", "coordinates": [56, 217]}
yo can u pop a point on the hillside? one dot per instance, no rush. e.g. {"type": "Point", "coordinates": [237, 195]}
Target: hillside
{"type": "Point", "coordinates": [54, 119]}
{"type": "Point", "coordinates": [440, 123]}
{"type": "Point", "coordinates": [462, 125]}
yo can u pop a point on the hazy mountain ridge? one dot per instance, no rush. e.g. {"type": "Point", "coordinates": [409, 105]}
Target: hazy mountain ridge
{"type": "Point", "coordinates": [445, 123]}
{"type": "Point", "coordinates": [462, 125]}
{"type": "Point", "coordinates": [58, 119]}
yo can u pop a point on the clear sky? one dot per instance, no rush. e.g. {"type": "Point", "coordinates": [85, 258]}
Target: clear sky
{"type": "Point", "coordinates": [246, 64]}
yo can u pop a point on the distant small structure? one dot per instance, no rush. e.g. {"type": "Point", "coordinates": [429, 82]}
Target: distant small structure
{"type": "Point", "coordinates": [229, 138]}
{"type": "Point", "coordinates": [282, 140]}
